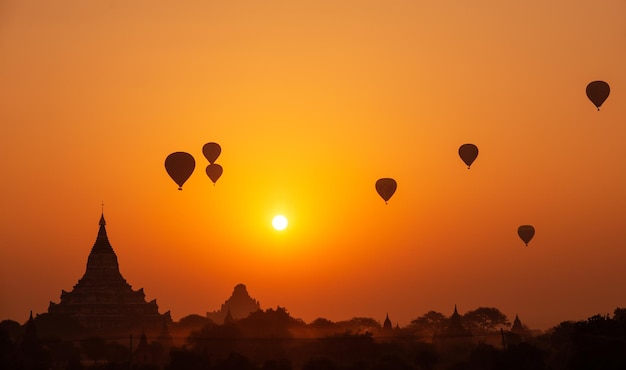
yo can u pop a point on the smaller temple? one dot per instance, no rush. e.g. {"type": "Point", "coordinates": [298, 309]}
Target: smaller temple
{"type": "Point", "coordinates": [238, 306]}
{"type": "Point", "coordinates": [102, 300]}
{"type": "Point", "coordinates": [520, 329]}
{"type": "Point", "coordinates": [455, 335]}
{"type": "Point", "coordinates": [386, 331]}
{"type": "Point", "coordinates": [30, 352]}
{"type": "Point", "coordinates": [387, 324]}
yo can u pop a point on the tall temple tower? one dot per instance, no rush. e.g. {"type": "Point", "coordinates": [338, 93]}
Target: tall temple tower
{"type": "Point", "coordinates": [102, 299]}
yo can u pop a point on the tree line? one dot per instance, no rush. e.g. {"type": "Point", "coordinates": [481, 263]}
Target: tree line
{"type": "Point", "coordinates": [273, 339]}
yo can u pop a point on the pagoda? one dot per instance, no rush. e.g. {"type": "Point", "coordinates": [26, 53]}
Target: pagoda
{"type": "Point", "coordinates": [455, 335]}
{"type": "Point", "coordinates": [102, 300]}
{"type": "Point", "coordinates": [519, 328]}
{"type": "Point", "coordinates": [238, 306]}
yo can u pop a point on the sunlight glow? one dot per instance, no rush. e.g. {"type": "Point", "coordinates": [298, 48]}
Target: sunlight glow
{"type": "Point", "coordinates": [279, 222]}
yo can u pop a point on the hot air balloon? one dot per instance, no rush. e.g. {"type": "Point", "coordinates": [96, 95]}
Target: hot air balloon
{"type": "Point", "coordinates": [211, 151]}
{"type": "Point", "coordinates": [526, 233]}
{"type": "Point", "coordinates": [180, 166]}
{"type": "Point", "coordinates": [214, 171]}
{"type": "Point", "coordinates": [597, 92]}
{"type": "Point", "coordinates": [385, 188]}
{"type": "Point", "coordinates": [468, 153]}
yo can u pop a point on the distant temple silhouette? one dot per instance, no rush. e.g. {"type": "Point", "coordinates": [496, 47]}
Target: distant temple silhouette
{"type": "Point", "coordinates": [517, 327]}
{"type": "Point", "coordinates": [387, 324]}
{"type": "Point", "coordinates": [455, 335]}
{"type": "Point", "coordinates": [519, 330]}
{"type": "Point", "coordinates": [103, 300]}
{"type": "Point", "coordinates": [238, 306]}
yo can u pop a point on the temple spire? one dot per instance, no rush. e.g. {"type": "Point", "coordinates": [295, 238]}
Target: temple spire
{"type": "Point", "coordinates": [102, 221]}
{"type": "Point", "coordinates": [102, 244]}
{"type": "Point", "coordinates": [387, 323]}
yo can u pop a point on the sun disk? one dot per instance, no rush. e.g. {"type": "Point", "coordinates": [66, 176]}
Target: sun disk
{"type": "Point", "coordinates": [279, 222]}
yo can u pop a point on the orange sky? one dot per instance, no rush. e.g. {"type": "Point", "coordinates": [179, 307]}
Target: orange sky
{"type": "Point", "coordinates": [312, 102]}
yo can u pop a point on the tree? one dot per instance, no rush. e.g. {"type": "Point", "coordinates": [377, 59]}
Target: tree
{"type": "Point", "coordinates": [360, 325]}
{"type": "Point", "coordinates": [484, 319]}
{"type": "Point", "coordinates": [270, 323]}
{"type": "Point", "coordinates": [323, 327]}
{"type": "Point", "coordinates": [430, 323]}
{"type": "Point", "coordinates": [619, 314]}
{"type": "Point", "coordinates": [193, 322]}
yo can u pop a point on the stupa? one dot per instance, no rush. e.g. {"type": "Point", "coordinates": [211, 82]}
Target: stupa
{"type": "Point", "coordinates": [102, 299]}
{"type": "Point", "coordinates": [238, 306]}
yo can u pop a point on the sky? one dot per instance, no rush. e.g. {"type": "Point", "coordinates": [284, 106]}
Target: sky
{"type": "Point", "coordinates": [312, 102]}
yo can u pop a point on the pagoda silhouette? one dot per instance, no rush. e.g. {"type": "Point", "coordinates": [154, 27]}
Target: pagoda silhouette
{"type": "Point", "coordinates": [238, 306]}
{"type": "Point", "coordinates": [103, 301]}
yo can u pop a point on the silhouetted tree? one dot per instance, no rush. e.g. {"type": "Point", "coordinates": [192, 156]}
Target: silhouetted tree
{"type": "Point", "coordinates": [269, 324]}
{"type": "Point", "coordinates": [12, 328]}
{"type": "Point", "coordinates": [216, 339]}
{"type": "Point", "coordinates": [429, 324]}
{"type": "Point", "coordinates": [323, 327]}
{"type": "Point", "coordinates": [321, 322]}
{"type": "Point", "coordinates": [360, 325]}
{"type": "Point", "coordinates": [619, 314]}
{"type": "Point", "coordinates": [192, 322]}
{"type": "Point", "coordinates": [597, 343]}
{"type": "Point", "coordinates": [484, 319]}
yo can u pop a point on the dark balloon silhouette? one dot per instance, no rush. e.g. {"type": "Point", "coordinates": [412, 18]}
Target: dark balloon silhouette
{"type": "Point", "coordinates": [385, 188]}
{"type": "Point", "coordinates": [180, 166]}
{"type": "Point", "coordinates": [214, 171]}
{"type": "Point", "coordinates": [526, 233]}
{"type": "Point", "coordinates": [468, 153]}
{"type": "Point", "coordinates": [211, 151]}
{"type": "Point", "coordinates": [597, 92]}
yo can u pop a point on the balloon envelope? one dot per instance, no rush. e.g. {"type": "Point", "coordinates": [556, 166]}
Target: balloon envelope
{"type": "Point", "coordinates": [468, 153]}
{"type": "Point", "coordinates": [180, 166]}
{"type": "Point", "coordinates": [385, 188]}
{"type": "Point", "coordinates": [214, 171]}
{"type": "Point", "coordinates": [211, 151]}
{"type": "Point", "coordinates": [597, 92]}
{"type": "Point", "coordinates": [526, 233]}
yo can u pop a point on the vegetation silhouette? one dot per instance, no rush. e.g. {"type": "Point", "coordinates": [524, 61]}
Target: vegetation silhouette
{"type": "Point", "coordinates": [274, 340]}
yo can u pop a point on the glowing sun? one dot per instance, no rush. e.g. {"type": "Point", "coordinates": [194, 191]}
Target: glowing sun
{"type": "Point", "coordinates": [279, 222]}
